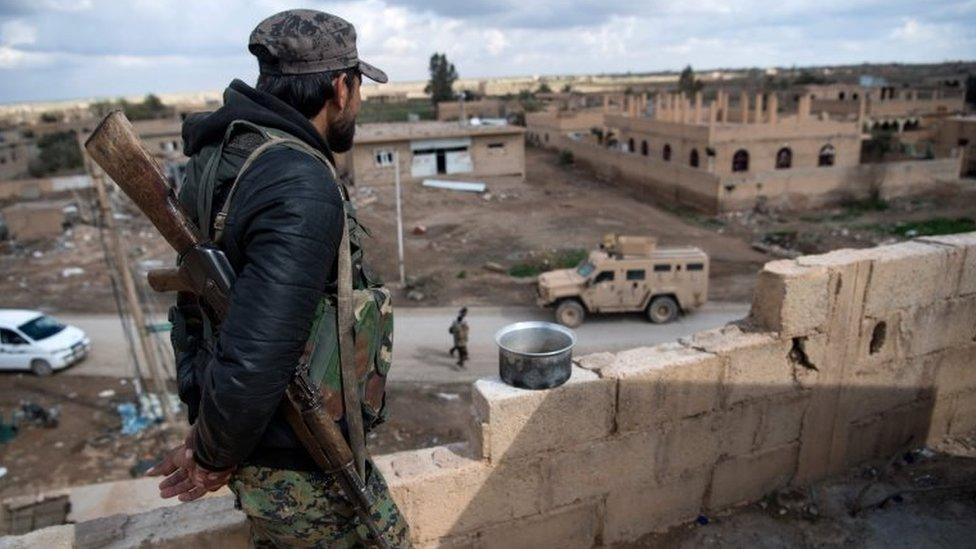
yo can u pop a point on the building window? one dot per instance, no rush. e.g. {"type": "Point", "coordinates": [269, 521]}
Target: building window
{"type": "Point", "coordinates": [696, 266]}
{"type": "Point", "coordinates": [635, 274]}
{"type": "Point", "coordinates": [666, 152]}
{"type": "Point", "coordinates": [383, 158]}
{"type": "Point", "coordinates": [784, 158]}
{"type": "Point", "coordinates": [693, 158]}
{"type": "Point", "coordinates": [3, 159]}
{"type": "Point", "coordinates": [547, 138]}
{"type": "Point", "coordinates": [662, 268]}
{"type": "Point", "coordinates": [740, 161]}
{"type": "Point", "coordinates": [826, 157]}
{"type": "Point", "coordinates": [645, 150]}
{"type": "Point", "coordinates": [630, 145]}
{"type": "Point", "coordinates": [854, 96]}
{"type": "Point", "coordinates": [496, 148]}
{"type": "Point", "coordinates": [840, 96]}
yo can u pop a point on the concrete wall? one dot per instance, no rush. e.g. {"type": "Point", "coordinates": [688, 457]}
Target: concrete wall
{"type": "Point", "coordinates": [846, 358]}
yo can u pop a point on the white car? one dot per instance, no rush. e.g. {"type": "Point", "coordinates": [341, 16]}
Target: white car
{"type": "Point", "coordinates": [30, 340]}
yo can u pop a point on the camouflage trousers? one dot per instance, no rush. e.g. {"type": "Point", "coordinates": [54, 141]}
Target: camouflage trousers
{"type": "Point", "coordinates": [308, 509]}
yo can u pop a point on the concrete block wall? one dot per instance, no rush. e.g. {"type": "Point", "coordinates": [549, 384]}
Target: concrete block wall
{"type": "Point", "coordinates": [846, 357]}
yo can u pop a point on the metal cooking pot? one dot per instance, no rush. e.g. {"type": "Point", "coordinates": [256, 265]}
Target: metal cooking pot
{"type": "Point", "coordinates": [535, 355]}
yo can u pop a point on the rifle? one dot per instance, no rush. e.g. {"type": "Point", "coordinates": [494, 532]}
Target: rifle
{"type": "Point", "coordinates": [205, 271]}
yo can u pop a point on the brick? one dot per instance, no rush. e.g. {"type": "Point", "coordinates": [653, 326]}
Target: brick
{"type": "Point", "coordinates": [664, 383]}
{"type": "Point", "coordinates": [790, 298]}
{"type": "Point", "coordinates": [910, 274]}
{"type": "Point", "coordinates": [635, 511]}
{"type": "Point", "coordinates": [967, 271]}
{"type": "Point", "coordinates": [956, 321]}
{"type": "Point", "coordinates": [882, 435]}
{"type": "Point", "coordinates": [448, 497]}
{"type": "Point", "coordinates": [782, 421]}
{"type": "Point", "coordinates": [521, 422]}
{"type": "Point", "coordinates": [595, 469]}
{"type": "Point", "coordinates": [747, 478]}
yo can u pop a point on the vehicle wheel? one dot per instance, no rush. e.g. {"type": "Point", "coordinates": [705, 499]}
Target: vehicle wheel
{"type": "Point", "coordinates": [570, 313]}
{"type": "Point", "coordinates": [41, 368]}
{"type": "Point", "coordinates": [662, 309]}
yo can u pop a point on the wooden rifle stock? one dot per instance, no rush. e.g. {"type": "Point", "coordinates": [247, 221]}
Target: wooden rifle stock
{"type": "Point", "coordinates": [117, 149]}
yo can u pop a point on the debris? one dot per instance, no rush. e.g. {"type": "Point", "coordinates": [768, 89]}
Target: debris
{"type": "Point", "coordinates": [495, 267]}
{"type": "Point", "coordinates": [420, 230]}
{"type": "Point", "coordinates": [463, 186]}
{"type": "Point", "coordinates": [448, 396]}
{"type": "Point", "coordinates": [415, 295]}
{"type": "Point", "coordinates": [702, 520]}
{"type": "Point", "coordinates": [141, 466]}
{"type": "Point", "coordinates": [3, 472]}
{"type": "Point", "coordinates": [7, 431]}
{"type": "Point", "coordinates": [37, 254]}
{"type": "Point", "coordinates": [72, 271]}
{"type": "Point", "coordinates": [107, 393]}
{"type": "Point", "coordinates": [132, 421]}
{"type": "Point", "coordinates": [39, 415]}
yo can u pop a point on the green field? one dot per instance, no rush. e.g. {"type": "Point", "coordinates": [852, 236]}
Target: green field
{"type": "Point", "coordinates": [395, 112]}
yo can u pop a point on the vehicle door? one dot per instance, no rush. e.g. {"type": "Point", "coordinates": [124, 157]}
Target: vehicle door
{"type": "Point", "coordinates": [604, 291]}
{"type": "Point", "coordinates": [635, 289]}
{"type": "Point", "coordinates": [15, 351]}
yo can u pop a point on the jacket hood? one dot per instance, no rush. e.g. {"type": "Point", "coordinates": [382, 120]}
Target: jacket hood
{"type": "Point", "coordinates": [242, 102]}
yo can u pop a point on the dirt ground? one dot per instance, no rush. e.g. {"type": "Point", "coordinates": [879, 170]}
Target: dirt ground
{"type": "Point", "coordinates": [451, 236]}
{"type": "Point", "coordinates": [87, 445]}
{"type": "Point", "coordinates": [922, 498]}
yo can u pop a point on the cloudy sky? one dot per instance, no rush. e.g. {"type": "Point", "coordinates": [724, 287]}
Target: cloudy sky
{"type": "Point", "coordinates": [59, 49]}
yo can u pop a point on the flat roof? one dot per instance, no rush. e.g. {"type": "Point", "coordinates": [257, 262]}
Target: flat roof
{"type": "Point", "coordinates": [406, 131]}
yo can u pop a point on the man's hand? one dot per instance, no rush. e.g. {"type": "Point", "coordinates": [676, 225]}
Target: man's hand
{"type": "Point", "coordinates": [185, 477]}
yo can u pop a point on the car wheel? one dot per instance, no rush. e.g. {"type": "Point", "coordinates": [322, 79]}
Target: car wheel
{"type": "Point", "coordinates": [41, 368]}
{"type": "Point", "coordinates": [662, 309]}
{"type": "Point", "coordinates": [570, 314]}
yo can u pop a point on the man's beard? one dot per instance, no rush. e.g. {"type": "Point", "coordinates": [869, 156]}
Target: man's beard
{"type": "Point", "coordinates": [340, 133]}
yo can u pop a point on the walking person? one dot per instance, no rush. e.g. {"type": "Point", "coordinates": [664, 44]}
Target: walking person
{"type": "Point", "coordinates": [459, 331]}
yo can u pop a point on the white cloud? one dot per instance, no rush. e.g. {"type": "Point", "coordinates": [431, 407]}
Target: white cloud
{"type": "Point", "coordinates": [495, 41]}
{"type": "Point", "coordinates": [17, 33]}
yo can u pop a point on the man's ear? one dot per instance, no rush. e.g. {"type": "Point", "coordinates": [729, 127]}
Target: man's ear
{"type": "Point", "coordinates": [341, 86]}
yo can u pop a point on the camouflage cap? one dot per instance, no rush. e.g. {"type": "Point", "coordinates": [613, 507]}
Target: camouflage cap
{"type": "Point", "coordinates": [308, 41]}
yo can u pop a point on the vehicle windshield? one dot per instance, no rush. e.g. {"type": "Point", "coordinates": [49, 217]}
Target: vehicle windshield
{"type": "Point", "coordinates": [585, 269]}
{"type": "Point", "coordinates": [41, 327]}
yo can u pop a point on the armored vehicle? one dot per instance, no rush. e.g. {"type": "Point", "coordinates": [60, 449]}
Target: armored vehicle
{"type": "Point", "coordinates": [628, 274]}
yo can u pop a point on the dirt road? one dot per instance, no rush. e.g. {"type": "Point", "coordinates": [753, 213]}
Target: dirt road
{"type": "Point", "coordinates": [422, 340]}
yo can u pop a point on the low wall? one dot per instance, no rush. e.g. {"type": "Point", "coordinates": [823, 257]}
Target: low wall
{"type": "Point", "coordinates": [664, 181]}
{"type": "Point", "coordinates": [809, 188]}
{"type": "Point", "coordinates": [847, 357]}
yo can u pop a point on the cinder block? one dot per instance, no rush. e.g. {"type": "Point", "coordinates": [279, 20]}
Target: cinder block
{"type": "Point", "coordinates": [963, 414]}
{"type": "Point", "coordinates": [520, 422]}
{"type": "Point", "coordinates": [967, 244]}
{"type": "Point", "coordinates": [756, 363]}
{"type": "Point", "coordinates": [954, 370]}
{"type": "Point", "coordinates": [570, 527]}
{"type": "Point", "coordinates": [782, 421]}
{"type": "Point", "coordinates": [638, 510]}
{"type": "Point", "coordinates": [878, 388]}
{"type": "Point", "coordinates": [744, 479]}
{"type": "Point", "coordinates": [790, 298]}
{"type": "Point", "coordinates": [880, 339]}
{"type": "Point", "coordinates": [688, 446]}
{"type": "Point", "coordinates": [663, 383]}
{"type": "Point", "coordinates": [882, 435]}
{"type": "Point", "coordinates": [442, 497]}
{"type": "Point", "coordinates": [594, 469]}
{"type": "Point", "coordinates": [910, 274]}
{"type": "Point", "coordinates": [736, 427]}
{"type": "Point", "coordinates": [939, 325]}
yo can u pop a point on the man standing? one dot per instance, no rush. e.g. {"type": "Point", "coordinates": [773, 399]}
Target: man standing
{"type": "Point", "coordinates": [459, 330]}
{"type": "Point", "coordinates": [261, 181]}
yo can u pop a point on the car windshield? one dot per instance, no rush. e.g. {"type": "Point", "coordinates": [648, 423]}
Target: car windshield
{"type": "Point", "coordinates": [585, 269]}
{"type": "Point", "coordinates": [41, 327]}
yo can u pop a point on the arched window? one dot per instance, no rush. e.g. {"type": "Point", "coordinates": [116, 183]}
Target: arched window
{"type": "Point", "coordinates": [740, 161]}
{"type": "Point", "coordinates": [826, 157]}
{"type": "Point", "coordinates": [854, 96]}
{"type": "Point", "coordinates": [630, 145]}
{"type": "Point", "coordinates": [784, 158]}
{"type": "Point", "coordinates": [840, 96]}
{"type": "Point", "coordinates": [693, 158]}
{"type": "Point", "coordinates": [666, 152]}
{"type": "Point", "coordinates": [644, 149]}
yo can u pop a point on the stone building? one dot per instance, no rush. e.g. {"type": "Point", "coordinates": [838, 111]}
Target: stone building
{"type": "Point", "coordinates": [483, 108]}
{"type": "Point", "coordinates": [431, 149]}
{"type": "Point", "coordinates": [957, 135]}
{"type": "Point", "coordinates": [890, 108]}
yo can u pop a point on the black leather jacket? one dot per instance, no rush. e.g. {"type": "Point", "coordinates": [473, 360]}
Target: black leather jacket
{"type": "Point", "coordinates": [282, 236]}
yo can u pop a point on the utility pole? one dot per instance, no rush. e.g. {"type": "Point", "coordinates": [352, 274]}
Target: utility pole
{"type": "Point", "coordinates": [129, 286]}
{"type": "Point", "coordinates": [399, 208]}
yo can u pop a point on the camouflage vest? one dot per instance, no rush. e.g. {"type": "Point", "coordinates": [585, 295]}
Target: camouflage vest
{"type": "Point", "coordinates": [372, 309]}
